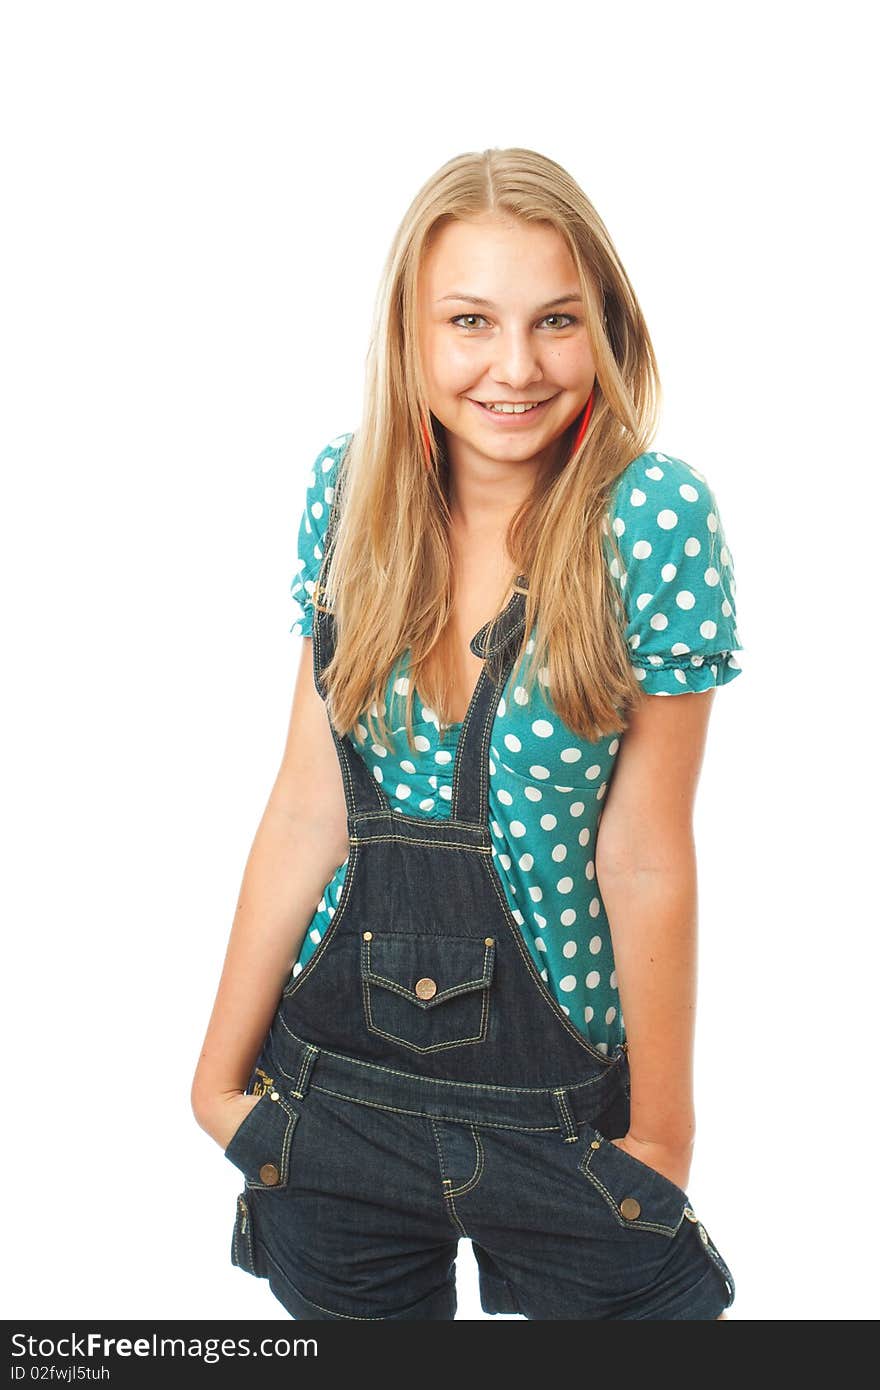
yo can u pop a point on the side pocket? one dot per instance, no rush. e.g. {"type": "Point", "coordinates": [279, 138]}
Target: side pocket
{"type": "Point", "coordinates": [713, 1254]}
{"type": "Point", "coordinates": [641, 1213]}
{"type": "Point", "coordinates": [639, 1197]}
{"type": "Point", "coordinates": [242, 1237]}
{"type": "Point", "coordinates": [261, 1146]}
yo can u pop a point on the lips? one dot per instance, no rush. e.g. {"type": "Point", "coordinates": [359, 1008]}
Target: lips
{"type": "Point", "coordinates": [512, 415]}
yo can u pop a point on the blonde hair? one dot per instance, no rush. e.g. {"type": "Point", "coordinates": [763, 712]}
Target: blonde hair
{"type": "Point", "coordinates": [386, 576]}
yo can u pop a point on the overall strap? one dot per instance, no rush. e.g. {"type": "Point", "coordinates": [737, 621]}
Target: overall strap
{"type": "Point", "coordinates": [362, 793]}
{"type": "Point", "coordinates": [470, 782]}
{"type": "Point", "coordinates": [470, 785]}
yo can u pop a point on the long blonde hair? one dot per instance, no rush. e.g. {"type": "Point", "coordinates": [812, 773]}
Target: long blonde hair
{"type": "Point", "coordinates": [387, 574]}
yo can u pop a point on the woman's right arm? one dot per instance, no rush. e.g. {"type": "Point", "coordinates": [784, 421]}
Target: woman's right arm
{"type": "Point", "coordinates": [301, 840]}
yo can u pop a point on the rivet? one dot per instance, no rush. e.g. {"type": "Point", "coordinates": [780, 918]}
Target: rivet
{"type": "Point", "coordinates": [275, 1096]}
{"type": "Point", "coordinates": [368, 936]}
{"type": "Point", "coordinates": [595, 1144]}
{"type": "Point", "coordinates": [490, 941]}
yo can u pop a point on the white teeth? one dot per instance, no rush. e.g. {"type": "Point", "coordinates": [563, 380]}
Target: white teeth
{"type": "Point", "coordinates": [512, 409]}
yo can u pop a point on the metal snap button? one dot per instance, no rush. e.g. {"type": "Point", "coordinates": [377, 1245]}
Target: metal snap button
{"type": "Point", "coordinates": [630, 1209]}
{"type": "Point", "coordinates": [269, 1174]}
{"type": "Point", "coordinates": [426, 988]}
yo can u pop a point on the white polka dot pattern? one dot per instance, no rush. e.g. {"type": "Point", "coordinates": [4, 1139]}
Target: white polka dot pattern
{"type": "Point", "coordinates": [546, 785]}
{"type": "Point", "coordinates": [312, 529]}
{"type": "Point", "coordinates": [678, 584]}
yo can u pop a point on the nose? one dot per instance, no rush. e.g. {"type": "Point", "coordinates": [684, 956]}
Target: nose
{"type": "Point", "coordinates": [515, 360]}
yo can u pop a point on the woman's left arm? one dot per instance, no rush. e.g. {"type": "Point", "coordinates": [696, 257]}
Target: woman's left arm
{"type": "Point", "coordinates": [647, 873]}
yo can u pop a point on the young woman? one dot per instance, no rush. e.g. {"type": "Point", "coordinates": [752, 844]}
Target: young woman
{"type": "Point", "coordinates": [489, 796]}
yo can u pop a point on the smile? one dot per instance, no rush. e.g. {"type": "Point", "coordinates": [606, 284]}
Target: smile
{"type": "Point", "coordinates": [508, 412]}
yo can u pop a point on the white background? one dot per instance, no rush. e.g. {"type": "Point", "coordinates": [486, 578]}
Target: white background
{"type": "Point", "coordinates": [198, 199]}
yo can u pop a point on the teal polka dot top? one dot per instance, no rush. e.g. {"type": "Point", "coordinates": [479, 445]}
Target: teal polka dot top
{"type": "Point", "coordinates": [546, 783]}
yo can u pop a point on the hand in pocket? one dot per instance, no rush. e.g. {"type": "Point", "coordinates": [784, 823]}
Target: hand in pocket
{"type": "Point", "coordinates": [672, 1161]}
{"type": "Point", "coordinates": [224, 1115]}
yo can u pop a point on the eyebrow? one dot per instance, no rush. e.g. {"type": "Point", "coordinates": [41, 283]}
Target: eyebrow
{"type": "Point", "coordinates": [487, 303]}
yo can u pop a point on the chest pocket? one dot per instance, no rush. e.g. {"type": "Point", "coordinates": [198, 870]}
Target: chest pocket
{"type": "Point", "coordinates": [427, 992]}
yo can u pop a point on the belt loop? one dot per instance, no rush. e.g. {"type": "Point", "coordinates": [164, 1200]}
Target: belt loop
{"type": "Point", "coordinates": [566, 1122]}
{"type": "Point", "coordinates": [309, 1057]}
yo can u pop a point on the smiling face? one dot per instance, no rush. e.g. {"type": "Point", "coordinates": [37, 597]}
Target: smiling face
{"type": "Point", "coordinates": [501, 321]}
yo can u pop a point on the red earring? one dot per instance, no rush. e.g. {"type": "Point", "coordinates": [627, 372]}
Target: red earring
{"type": "Point", "coordinates": [426, 440]}
{"type": "Point", "coordinates": [585, 420]}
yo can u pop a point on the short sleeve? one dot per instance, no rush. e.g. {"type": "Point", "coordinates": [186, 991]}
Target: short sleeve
{"type": "Point", "coordinates": [678, 584]}
{"type": "Point", "coordinates": [320, 487]}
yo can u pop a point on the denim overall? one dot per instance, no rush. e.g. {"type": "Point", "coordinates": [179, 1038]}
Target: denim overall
{"type": "Point", "coordinates": [420, 1083]}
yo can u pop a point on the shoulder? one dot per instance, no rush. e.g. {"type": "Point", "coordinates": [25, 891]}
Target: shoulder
{"type": "Point", "coordinates": [664, 511]}
{"type": "Point", "coordinates": [321, 483]}
{"type": "Point", "coordinates": [320, 488]}
{"type": "Point", "coordinates": [322, 476]}
{"type": "Point", "coordinates": [657, 490]}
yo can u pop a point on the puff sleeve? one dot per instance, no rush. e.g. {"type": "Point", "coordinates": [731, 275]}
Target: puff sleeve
{"type": "Point", "coordinates": [678, 583]}
{"type": "Point", "coordinates": [320, 486]}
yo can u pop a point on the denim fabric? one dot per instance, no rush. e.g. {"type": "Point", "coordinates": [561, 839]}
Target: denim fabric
{"type": "Point", "coordinates": [420, 1083]}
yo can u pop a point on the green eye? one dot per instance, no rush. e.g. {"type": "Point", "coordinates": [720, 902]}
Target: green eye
{"type": "Point", "coordinates": [570, 319]}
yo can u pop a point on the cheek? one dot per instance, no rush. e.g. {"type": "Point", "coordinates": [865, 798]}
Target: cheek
{"type": "Point", "coordinates": [455, 368]}
{"type": "Point", "coordinates": [572, 366]}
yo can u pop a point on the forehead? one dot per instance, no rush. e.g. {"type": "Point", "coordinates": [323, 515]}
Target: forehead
{"type": "Point", "coordinates": [491, 252]}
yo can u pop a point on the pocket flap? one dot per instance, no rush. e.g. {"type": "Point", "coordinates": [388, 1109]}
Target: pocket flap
{"type": "Point", "coordinates": [427, 970]}
{"type": "Point", "coordinates": [640, 1197]}
{"type": "Point", "coordinates": [260, 1147]}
